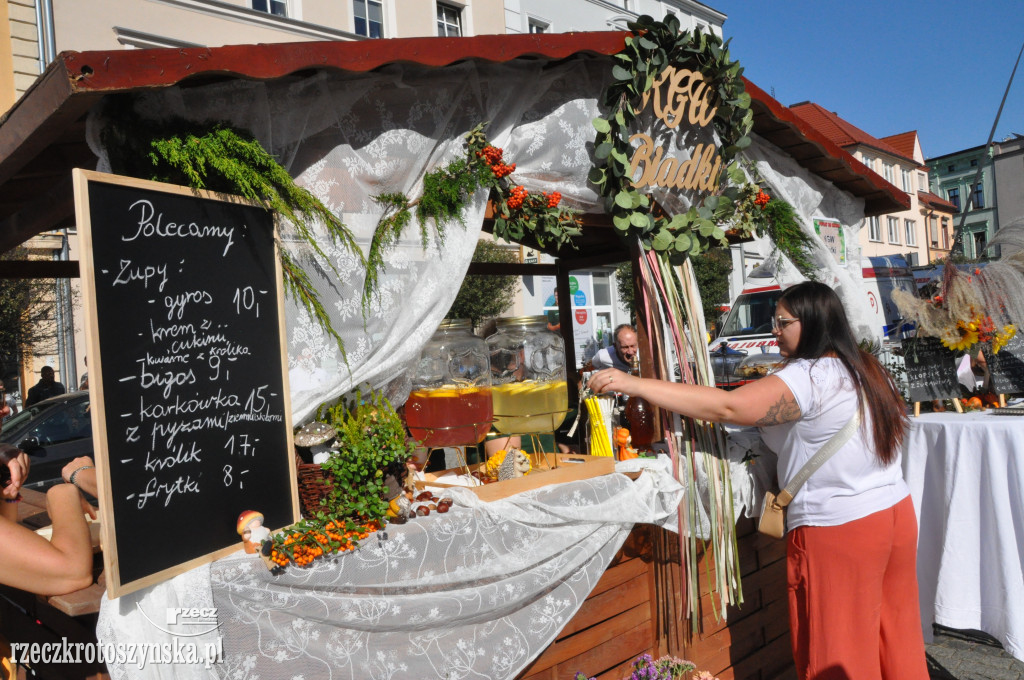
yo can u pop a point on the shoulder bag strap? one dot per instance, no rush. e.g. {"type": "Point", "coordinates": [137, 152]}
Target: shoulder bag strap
{"type": "Point", "coordinates": [816, 461]}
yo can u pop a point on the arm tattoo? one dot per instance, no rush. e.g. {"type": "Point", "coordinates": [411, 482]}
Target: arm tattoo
{"type": "Point", "coordinates": [784, 411]}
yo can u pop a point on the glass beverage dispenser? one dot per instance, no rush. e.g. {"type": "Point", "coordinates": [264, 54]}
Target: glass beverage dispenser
{"type": "Point", "coordinates": [450, 402]}
{"type": "Point", "coordinates": [528, 376]}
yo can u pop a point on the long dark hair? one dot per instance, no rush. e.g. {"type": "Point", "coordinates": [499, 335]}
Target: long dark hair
{"type": "Point", "coordinates": [825, 331]}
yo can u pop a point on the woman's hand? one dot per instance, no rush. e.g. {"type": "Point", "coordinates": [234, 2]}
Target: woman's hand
{"type": "Point", "coordinates": [614, 380]}
{"type": "Point", "coordinates": [18, 464]}
{"type": "Point", "coordinates": [86, 478]}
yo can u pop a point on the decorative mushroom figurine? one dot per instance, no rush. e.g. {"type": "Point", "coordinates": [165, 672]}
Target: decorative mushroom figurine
{"type": "Point", "coordinates": [250, 528]}
{"type": "Point", "coordinates": [320, 438]}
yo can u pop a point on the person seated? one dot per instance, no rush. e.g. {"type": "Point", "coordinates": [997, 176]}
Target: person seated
{"type": "Point", "coordinates": [30, 562]}
{"type": "Point", "coordinates": [621, 355]}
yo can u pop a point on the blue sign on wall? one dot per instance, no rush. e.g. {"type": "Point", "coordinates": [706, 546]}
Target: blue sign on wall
{"type": "Point", "coordinates": [580, 298]}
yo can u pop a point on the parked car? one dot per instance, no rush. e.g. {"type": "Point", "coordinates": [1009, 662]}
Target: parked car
{"type": "Point", "coordinates": [52, 432]}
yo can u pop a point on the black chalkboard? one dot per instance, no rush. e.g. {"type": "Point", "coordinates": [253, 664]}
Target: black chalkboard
{"type": "Point", "coordinates": [1007, 367]}
{"type": "Point", "coordinates": [187, 373]}
{"type": "Point", "coordinates": [931, 370]}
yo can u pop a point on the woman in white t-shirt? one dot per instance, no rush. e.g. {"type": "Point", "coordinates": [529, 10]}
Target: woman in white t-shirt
{"type": "Point", "coordinates": [851, 550]}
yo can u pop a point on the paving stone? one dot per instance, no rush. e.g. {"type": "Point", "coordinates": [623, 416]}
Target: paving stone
{"type": "Point", "coordinates": [970, 655]}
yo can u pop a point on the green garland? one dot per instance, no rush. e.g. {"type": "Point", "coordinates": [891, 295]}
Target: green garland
{"type": "Point", "coordinates": [446, 192]}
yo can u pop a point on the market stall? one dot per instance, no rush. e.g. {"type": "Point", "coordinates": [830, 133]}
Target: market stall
{"type": "Point", "coordinates": [351, 122]}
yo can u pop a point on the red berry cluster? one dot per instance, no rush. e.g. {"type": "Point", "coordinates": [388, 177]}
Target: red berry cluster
{"type": "Point", "coordinates": [516, 197]}
{"type": "Point", "coordinates": [554, 198]}
{"type": "Point", "coordinates": [762, 199]}
{"type": "Point", "coordinates": [492, 156]}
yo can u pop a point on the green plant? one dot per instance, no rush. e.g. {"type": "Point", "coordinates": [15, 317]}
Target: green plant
{"type": "Point", "coordinates": [372, 444]}
{"type": "Point", "coordinates": [481, 297]}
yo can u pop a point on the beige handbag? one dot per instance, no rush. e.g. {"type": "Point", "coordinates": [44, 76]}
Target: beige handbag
{"type": "Point", "coordinates": [773, 509]}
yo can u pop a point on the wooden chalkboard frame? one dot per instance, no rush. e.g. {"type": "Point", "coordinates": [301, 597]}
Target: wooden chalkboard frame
{"type": "Point", "coordinates": [116, 586]}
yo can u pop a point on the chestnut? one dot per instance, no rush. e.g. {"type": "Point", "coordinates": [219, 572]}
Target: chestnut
{"type": "Point", "coordinates": [422, 511]}
{"type": "Point", "coordinates": [424, 496]}
{"type": "Point", "coordinates": [443, 507]}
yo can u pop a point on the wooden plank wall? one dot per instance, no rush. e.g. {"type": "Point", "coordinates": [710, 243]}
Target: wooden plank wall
{"type": "Point", "coordinates": [638, 607]}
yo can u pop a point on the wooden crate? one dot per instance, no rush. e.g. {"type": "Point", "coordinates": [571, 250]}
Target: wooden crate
{"type": "Point", "coordinates": [548, 468]}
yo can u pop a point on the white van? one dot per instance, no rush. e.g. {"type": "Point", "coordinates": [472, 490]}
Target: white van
{"type": "Point", "coordinates": [745, 340]}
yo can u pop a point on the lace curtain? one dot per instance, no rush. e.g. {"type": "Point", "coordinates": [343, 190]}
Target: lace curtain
{"type": "Point", "coordinates": [350, 136]}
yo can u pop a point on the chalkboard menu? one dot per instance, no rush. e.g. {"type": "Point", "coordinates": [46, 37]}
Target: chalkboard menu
{"type": "Point", "coordinates": [931, 370]}
{"type": "Point", "coordinates": [191, 423]}
{"type": "Point", "coordinates": [1007, 367]}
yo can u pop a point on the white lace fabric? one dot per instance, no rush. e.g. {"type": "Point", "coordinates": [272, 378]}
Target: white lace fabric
{"type": "Point", "coordinates": [477, 592]}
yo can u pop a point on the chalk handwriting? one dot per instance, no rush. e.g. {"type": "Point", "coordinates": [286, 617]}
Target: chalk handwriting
{"type": "Point", "coordinates": [146, 227]}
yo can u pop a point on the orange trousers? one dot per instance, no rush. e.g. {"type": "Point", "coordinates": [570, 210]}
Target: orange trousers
{"type": "Point", "coordinates": [853, 606]}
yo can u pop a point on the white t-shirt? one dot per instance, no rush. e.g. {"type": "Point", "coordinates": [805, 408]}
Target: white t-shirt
{"type": "Point", "coordinates": [852, 483]}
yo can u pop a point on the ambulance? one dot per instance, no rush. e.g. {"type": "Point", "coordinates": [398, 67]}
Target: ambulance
{"type": "Point", "coordinates": [745, 347]}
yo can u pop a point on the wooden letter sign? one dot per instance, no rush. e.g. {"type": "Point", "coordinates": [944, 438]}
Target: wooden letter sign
{"type": "Point", "coordinates": [191, 422]}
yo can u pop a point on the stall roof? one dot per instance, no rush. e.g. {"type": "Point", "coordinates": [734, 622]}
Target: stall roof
{"type": "Point", "coordinates": [42, 137]}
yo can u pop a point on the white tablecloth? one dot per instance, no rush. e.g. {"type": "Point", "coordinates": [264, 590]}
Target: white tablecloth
{"type": "Point", "coordinates": [476, 593]}
{"type": "Point", "coordinates": [966, 476]}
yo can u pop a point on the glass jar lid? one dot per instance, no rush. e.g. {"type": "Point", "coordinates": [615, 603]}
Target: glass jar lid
{"type": "Point", "coordinates": [455, 325]}
{"type": "Point", "coordinates": [507, 322]}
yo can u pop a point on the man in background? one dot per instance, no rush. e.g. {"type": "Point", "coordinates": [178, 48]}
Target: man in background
{"type": "Point", "coordinates": [622, 354]}
{"type": "Point", "coordinates": [46, 387]}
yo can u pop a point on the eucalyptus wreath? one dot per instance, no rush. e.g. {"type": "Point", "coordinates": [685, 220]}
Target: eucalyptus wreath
{"type": "Point", "coordinates": [733, 208]}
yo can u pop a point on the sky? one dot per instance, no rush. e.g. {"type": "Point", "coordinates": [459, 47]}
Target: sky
{"type": "Point", "coordinates": [936, 66]}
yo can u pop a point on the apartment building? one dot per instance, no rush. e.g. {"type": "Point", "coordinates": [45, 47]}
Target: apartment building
{"type": "Point", "coordinates": [1008, 170]}
{"type": "Point", "coordinates": [956, 178]}
{"type": "Point", "coordinates": [923, 232]}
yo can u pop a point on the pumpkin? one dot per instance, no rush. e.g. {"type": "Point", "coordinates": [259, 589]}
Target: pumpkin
{"type": "Point", "coordinates": [975, 402]}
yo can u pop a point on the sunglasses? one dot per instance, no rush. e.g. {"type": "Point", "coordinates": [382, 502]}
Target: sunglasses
{"type": "Point", "coordinates": [780, 322]}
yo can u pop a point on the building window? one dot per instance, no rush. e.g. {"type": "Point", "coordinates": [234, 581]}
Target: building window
{"type": "Point", "coordinates": [887, 172]}
{"type": "Point", "coordinates": [978, 196]}
{"type": "Point", "coordinates": [906, 181]}
{"type": "Point", "coordinates": [449, 21]}
{"type": "Point", "coordinates": [945, 233]}
{"type": "Point", "coordinates": [874, 230]}
{"type": "Point", "coordinates": [868, 161]}
{"type": "Point", "coordinates": [954, 196]}
{"type": "Point", "coordinates": [922, 181]}
{"type": "Point", "coordinates": [276, 7]}
{"type": "Point", "coordinates": [979, 243]}
{"type": "Point", "coordinates": [951, 168]}
{"type": "Point", "coordinates": [538, 26]}
{"type": "Point", "coordinates": [369, 18]}
{"type": "Point", "coordinates": [933, 231]}
{"type": "Point", "coordinates": [894, 229]}
{"type": "Point", "coordinates": [974, 162]}
{"type": "Point", "coordinates": [909, 229]}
